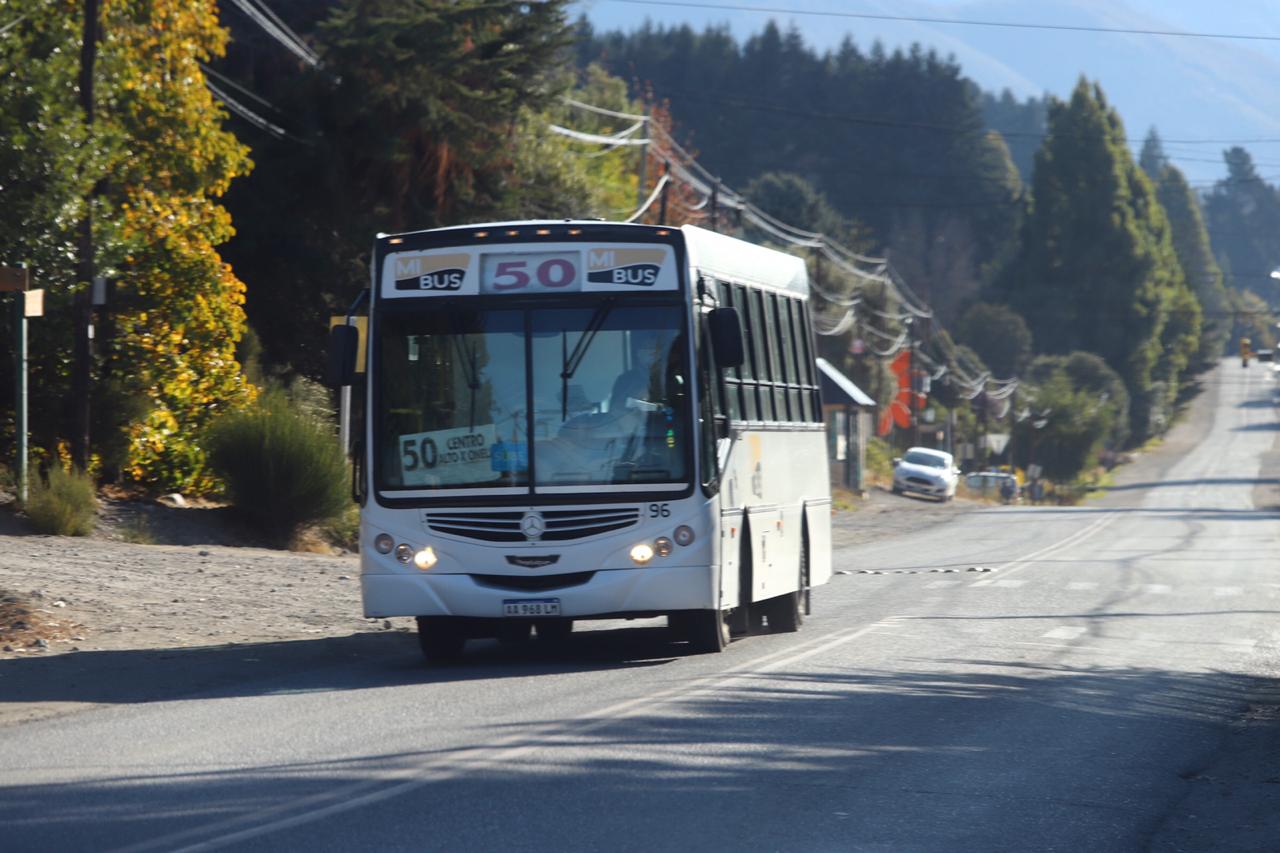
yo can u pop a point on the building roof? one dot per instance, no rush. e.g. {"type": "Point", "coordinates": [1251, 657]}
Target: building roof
{"type": "Point", "coordinates": [838, 388]}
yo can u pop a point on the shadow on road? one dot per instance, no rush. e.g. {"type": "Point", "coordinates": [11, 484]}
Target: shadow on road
{"type": "Point", "coordinates": [934, 755]}
{"type": "Point", "coordinates": [1207, 481]}
{"type": "Point", "coordinates": [355, 662]}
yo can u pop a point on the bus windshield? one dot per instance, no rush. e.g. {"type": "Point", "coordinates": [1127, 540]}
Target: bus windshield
{"type": "Point", "coordinates": [602, 389]}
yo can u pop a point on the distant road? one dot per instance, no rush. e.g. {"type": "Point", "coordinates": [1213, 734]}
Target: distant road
{"type": "Point", "coordinates": [1075, 696]}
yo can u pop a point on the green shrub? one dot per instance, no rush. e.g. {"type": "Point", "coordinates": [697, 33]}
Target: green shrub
{"type": "Point", "coordinates": [282, 467]}
{"type": "Point", "coordinates": [62, 504]}
{"type": "Point", "coordinates": [879, 461]}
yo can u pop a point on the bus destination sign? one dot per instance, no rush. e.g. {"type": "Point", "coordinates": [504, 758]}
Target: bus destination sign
{"type": "Point", "coordinates": [516, 269]}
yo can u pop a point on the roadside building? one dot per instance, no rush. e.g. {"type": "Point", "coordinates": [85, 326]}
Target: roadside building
{"type": "Point", "coordinates": [848, 413]}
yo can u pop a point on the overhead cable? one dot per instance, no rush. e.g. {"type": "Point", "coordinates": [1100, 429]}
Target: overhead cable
{"type": "Point", "coordinates": [592, 108]}
{"type": "Point", "coordinates": [250, 116]}
{"type": "Point", "coordinates": [278, 30]}
{"type": "Point", "coordinates": [962, 22]}
{"type": "Point", "coordinates": [653, 196]}
{"type": "Point", "coordinates": [12, 24]}
{"type": "Point", "coordinates": [596, 138]}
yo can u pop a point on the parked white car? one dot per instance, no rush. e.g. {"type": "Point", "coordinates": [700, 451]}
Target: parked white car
{"type": "Point", "coordinates": [927, 472]}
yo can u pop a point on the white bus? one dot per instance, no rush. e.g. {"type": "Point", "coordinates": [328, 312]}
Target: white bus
{"type": "Point", "coordinates": [587, 420]}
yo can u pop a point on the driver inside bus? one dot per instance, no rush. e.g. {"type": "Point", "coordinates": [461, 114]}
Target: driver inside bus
{"type": "Point", "coordinates": [595, 444]}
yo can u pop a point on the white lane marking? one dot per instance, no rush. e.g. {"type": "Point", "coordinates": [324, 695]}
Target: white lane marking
{"type": "Point", "coordinates": [1066, 632]}
{"type": "Point", "coordinates": [1157, 589]}
{"type": "Point", "coordinates": [1008, 584]}
{"type": "Point", "coordinates": [941, 584]}
{"type": "Point", "coordinates": [983, 583]}
{"type": "Point", "coordinates": [1227, 591]}
{"type": "Point", "coordinates": [1083, 585]}
{"type": "Point", "coordinates": [1020, 563]}
{"type": "Point", "coordinates": [498, 753]}
{"type": "Point", "coordinates": [455, 763]}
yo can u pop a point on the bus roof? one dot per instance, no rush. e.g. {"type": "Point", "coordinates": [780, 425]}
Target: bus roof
{"type": "Point", "coordinates": [718, 255]}
{"type": "Point", "coordinates": [730, 259]}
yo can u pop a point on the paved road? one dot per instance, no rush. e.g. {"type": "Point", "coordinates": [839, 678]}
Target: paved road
{"type": "Point", "coordinates": [1077, 696]}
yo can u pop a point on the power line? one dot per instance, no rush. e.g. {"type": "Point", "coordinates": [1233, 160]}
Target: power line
{"type": "Point", "coordinates": [1080, 28]}
{"type": "Point", "coordinates": [18, 20]}
{"type": "Point", "coordinates": [874, 121]}
{"type": "Point", "coordinates": [276, 28]}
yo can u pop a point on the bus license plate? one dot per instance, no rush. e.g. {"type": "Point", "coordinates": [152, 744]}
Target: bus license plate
{"type": "Point", "coordinates": [531, 607]}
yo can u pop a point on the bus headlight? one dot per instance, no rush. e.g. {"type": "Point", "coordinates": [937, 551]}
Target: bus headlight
{"type": "Point", "coordinates": [425, 559]}
{"type": "Point", "coordinates": [382, 543]}
{"type": "Point", "coordinates": [404, 553]}
{"type": "Point", "coordinates": [684, 535]}
{"type": "Point", "coordinates": [663, 546]}
{"type": "Point", "coordinates": [642, 553]}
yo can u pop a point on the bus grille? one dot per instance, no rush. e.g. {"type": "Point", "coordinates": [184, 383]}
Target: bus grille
{"type": "Point", "coordinates": [533, 583]}
{"type": "Point", "coordinates": [560, 525]}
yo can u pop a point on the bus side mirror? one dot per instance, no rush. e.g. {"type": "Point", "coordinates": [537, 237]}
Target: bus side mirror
{"type": "Point", "coordinates": [340, 370]}
{"type": "Point", "coordinates": [726, 337]}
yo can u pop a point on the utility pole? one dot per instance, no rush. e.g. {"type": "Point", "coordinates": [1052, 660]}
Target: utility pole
{"type": "Point", "coordinates": [26, 303]}
{"type": "Point", "coordinates": [82, 305]}
{"type": "Point", "coordinates": [666, 187]}
{"type": "Point", "coordinates": [642, 185]}
{"type": "Point", "coordinates": [911, 375]}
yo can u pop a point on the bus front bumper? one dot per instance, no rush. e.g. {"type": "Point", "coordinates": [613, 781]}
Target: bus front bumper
{"type": "Point", "coordinates": [609, 592]}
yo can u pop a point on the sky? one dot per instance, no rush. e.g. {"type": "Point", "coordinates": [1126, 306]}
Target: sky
{"type": "Point", "coordinates": [1203, 94]}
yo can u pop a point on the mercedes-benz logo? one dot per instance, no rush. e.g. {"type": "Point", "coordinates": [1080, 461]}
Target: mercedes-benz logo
{"type": "Point", "coordinates": [533, 526]}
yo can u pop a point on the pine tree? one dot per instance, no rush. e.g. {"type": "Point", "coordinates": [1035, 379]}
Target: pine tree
{"type": "Point", "coordinates": [1243, 213]}
{"type": "Point", "coordinates": [48, 165]}
{"type": "Point", "coordinates": [1097, 270]}
{"type": "Point", "coordinates": [1191, 243]}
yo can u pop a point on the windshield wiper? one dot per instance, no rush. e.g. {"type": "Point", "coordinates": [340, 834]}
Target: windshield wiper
{"type": "Point", "coordinates": [571, 363]}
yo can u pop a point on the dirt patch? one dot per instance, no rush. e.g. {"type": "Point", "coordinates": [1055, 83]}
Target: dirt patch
{"type": "Point", "coordinates": [28, 626]}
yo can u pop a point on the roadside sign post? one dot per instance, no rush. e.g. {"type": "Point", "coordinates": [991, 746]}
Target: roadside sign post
{"type": "Point", "coordinates": [16, 280]}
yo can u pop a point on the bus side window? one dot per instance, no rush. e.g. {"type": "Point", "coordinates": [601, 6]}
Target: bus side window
{"type": "Point", "coordinates": [730, 377]}
{"type": "Point", "coordinates": [760, 352]}
{"type": "Point", "coordinates": [777, 357]}
{"type": "Point", "coordinates": [808, 375]}
{"type": "Point", "coordinates": [750, 393]}
{"type": "Point", "coordinates": [786, 314]}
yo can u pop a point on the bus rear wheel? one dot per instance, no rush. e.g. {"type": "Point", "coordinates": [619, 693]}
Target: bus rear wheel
{"type": "Point", "coordinates": [706, 630]}
{"type": "Point", "coordinates": [441, 638]}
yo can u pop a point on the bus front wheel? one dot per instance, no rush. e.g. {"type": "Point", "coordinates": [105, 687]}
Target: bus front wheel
{"type": "Point", "coordinates": [554, 631]}
{"type": "Point", "coordinates": [707, 631]}
{"type": "Point", "coordinates": [442, 639]}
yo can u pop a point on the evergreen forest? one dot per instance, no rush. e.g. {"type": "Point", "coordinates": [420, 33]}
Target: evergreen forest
{"type": "Point", "coordinates": [223, 170]}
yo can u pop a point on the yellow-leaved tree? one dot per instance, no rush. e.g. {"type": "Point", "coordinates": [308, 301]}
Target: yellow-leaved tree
{"type": "Point", "coordinates": [177, 312]}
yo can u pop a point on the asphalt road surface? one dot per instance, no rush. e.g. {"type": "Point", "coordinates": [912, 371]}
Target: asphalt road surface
{"type": "Point", "coordinates": [1086, 692]}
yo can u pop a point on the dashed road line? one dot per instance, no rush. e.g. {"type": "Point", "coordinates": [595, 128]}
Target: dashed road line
{"type": "Point", "coordinates": [1066, 632]}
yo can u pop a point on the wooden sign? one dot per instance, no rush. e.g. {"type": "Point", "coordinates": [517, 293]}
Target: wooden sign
{"type": "Point", "coordinates": [14, 279]}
